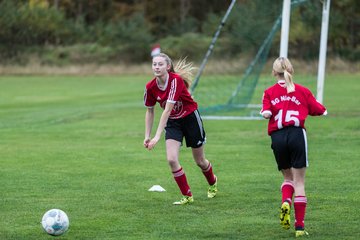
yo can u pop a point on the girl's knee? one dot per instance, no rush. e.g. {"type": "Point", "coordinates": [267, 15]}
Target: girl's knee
{"type": "Point", "coordinates": [174, 163]}
{"type": "Point", "coordinates": [202, 163]}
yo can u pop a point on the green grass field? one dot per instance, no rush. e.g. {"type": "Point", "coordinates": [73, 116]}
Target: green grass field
{"type": "Point", "coordinates": [75, 143]}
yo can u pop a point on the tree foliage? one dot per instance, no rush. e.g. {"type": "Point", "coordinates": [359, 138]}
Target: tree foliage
{"type": "Point", "coordinates": [183, 27]}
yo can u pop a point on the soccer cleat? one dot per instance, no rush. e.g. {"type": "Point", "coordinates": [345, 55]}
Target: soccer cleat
{"type": "Point", "coordinates": [301, 233]}
{"type": "Point", "coordinates": [285, 215]}
{"type": "Point", "coordinates": [212, 190]}
{"type": "Point", "coordinates": [184, 200]}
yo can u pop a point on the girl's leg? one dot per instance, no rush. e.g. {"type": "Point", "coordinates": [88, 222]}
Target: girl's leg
{"type": "Point", "coordinates": [172, 154]}
{"type": "Point", "coordinates": [204, 164]}
{"type": "Point", "coordinates": [300, 200]}
{"type": "Point", "coordinates": [287, 187]}
{"type": "Point", "coordinates": [287, 191]}
{"type": "Point", "coordinates": [206, 167]}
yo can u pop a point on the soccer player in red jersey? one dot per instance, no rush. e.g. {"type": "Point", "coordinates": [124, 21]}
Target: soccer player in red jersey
{"type": "Point", "coordinates": [287, 105]}
{"type": "Point", "coordinates": [180, 119]}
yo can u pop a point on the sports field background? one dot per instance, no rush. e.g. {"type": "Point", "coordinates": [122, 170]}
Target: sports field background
{"type": "Point", "coordinates": [75, 143]}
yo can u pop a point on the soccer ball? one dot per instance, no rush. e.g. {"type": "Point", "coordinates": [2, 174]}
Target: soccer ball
{"type": "Point", "coordinates": [55, 222]}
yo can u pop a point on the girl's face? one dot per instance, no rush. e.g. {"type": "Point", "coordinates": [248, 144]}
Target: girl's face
{"type": "Point", "coordinates": [159, 66]}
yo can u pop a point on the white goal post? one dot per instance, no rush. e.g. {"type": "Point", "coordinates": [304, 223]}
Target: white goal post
{"type": "Point", "coordinates": [285, 25]}
{"type": "Point", "coordinates": [323, 48]}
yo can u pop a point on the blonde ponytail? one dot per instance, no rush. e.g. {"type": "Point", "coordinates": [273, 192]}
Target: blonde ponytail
{"type": "Point", "coordinates": [283, 67]}
{"type": "Point", "coordinates": [185, 70]}
{"type": "Point", "coordinates": [290, 87]}
{"type": "Point", "coordinates": [182, 67]}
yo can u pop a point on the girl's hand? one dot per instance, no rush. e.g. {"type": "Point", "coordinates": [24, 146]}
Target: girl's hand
{"type": "Point", "coordinates": [151, 144]}
{"type": "Point", "coordinates": [146, 142]}
{"type": "Point", "coordinates": [267, 115]}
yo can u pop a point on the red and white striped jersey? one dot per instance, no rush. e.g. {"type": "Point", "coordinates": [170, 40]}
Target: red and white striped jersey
{"type": "Point", "coordinates": [174, 91]}
{"type": "Point", "coordinates": [289, 109]}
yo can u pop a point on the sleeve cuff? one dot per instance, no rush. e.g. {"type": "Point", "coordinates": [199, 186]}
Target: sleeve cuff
{"type": "Point", "coordinates": [266, 112]}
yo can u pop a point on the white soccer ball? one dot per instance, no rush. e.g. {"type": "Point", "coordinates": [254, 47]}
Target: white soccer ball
{"type": "Point", "coordinates": [55, 222]}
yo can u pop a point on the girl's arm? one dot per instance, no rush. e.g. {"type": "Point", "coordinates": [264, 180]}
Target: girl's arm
{"type": "Point", "coordinates": [266, 106]}
{"type": "Point", "coordinates": [149, 120]}
{"type": "Point", "coordinates": [162, 123]}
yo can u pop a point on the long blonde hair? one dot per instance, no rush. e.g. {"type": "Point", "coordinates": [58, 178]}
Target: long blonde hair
{"type": "Point", "coordinates": [283, 68]}
{"type": "Point", "coordinates": [183, 68]}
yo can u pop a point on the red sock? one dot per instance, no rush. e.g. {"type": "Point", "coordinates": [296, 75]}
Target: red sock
{"type": "Point", "coordinates": [300, 207]}
{"type": "Point", "coordinates": [181, 181]}
{"type": "Point", "coordinates": [209, 175]}
{"type": "Point", "coordinates": [287, 191]}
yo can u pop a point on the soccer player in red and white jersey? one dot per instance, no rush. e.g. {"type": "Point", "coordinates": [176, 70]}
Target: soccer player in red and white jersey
{"type": "Point", "coordinates": [287, 105]}
{"type": "Point", "coordinates": [180, 119]}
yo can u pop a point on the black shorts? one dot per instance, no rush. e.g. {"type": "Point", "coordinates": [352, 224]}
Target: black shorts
{"type": "Point", "coordinates": [190, 127]}
{"type": "Point", "coordinates": [289, 146]}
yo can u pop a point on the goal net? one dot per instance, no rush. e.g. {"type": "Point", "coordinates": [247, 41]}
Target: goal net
{"type": "Point", "coordinates": [231, 95]}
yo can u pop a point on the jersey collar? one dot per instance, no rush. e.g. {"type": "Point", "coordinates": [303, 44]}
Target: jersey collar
{"type": "Point", "coordinates": [281, 82]}
{"type": "Point", "coordinates": [165, 85]}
